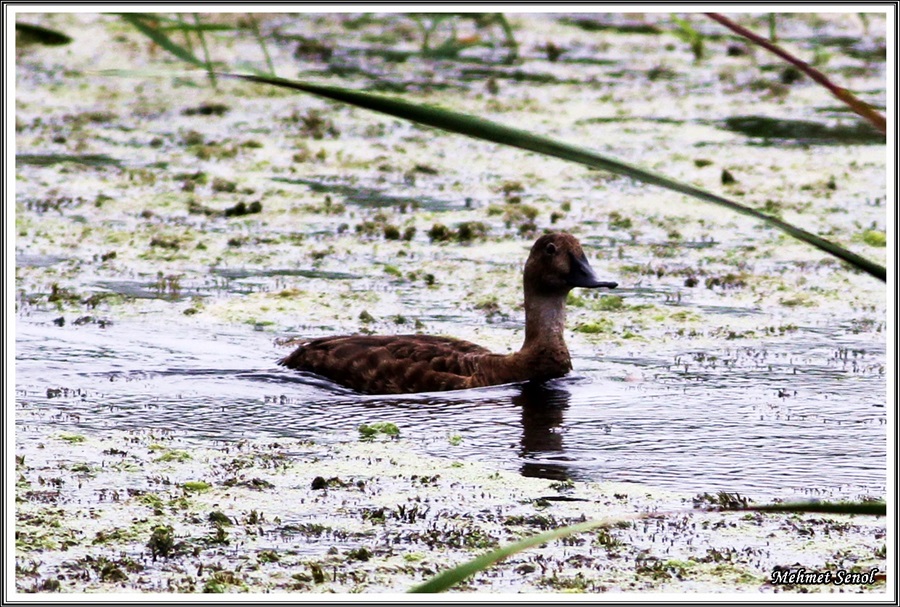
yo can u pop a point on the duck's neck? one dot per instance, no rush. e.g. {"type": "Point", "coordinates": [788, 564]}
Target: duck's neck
{"type": "Point", "coordinates": [543, 355]}
{"type": "Point", "coordinates": [545, 321]}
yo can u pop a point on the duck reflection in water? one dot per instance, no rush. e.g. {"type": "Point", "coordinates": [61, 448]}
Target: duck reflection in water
{"type": "Point", "coordinates": [543, 409]}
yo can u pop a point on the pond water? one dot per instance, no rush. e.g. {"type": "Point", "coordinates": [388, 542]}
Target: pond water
{"type": "Point", "coordinates": [804, 419]}
{"type": "Point", "coordinates": [737, 360]}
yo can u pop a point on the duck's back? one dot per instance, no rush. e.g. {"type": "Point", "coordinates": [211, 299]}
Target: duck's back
{"type": "Point", "coordinates": [390, 364]}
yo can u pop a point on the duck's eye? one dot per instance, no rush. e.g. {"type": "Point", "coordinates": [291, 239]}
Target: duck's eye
{"type": "Point", "coordinates": [551, 249]}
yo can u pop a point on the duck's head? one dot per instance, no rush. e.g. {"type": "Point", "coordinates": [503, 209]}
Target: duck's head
{"type": "Point", "coordinates": [557, 264]}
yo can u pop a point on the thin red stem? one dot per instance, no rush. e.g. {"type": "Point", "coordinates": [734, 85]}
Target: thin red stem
{"type": "Point", "coordinates": [860, 107]}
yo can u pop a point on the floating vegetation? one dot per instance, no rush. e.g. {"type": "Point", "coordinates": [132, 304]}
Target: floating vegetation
{"type": "Point", "coordinates": [370, 431]}
{"type": "Point", "coordinates": [874, 238]}
{"type": "Point", "coordinates": [804, 130]}
{"type": "Point", "coordinates": [238, 210]}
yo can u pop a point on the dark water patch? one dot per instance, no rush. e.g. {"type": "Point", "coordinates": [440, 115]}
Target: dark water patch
{"type": "Point", "coordinates": [378, 67]}
{"type": "Point", "coordinates": [857, 47]}
{"type": "Point", "coordinates": [456, 73]}
{"type": "Point", "coordinates": [373, 197]}
{"type": "Point", "coordinates": [849, 130]}
{"type": "Point", "coordinates": [387, 54]}
{"type": "Point", "coordinates": [243, 273]}
{"type": "Point", "coordinates": [736, 311]}
{"type": "Point", "coordinates": [839, 111]}
{"type": "Point", "coordinates": [623, 119]}
{"type": "Point", "coordinates": [342, 70]}
{"type": "Point", "coordinates": [612, 23]}
{"type": "Point", "coordinates": [572, 59]}
{"type": "Point", "coordinates": [804, 131]}
{"type": "Point", "coordinates": [387, 83]}
{"type": "Point", "coordinates": [866, 50]}
{"type": "Point", "coordinates": [95, 160]}
{"type": "Point", "coordinates": [146, 289]}
{"type": "Point", "coordinates": [355, 57]}
{"type": "Point", "coordinates": [38, 261]}
{"type": "Point", "coordinates": [223, 280]}
{"type": "Point", "coordinates": [699, 244]}
{"type": "Point", "coordinates": [515, 75]}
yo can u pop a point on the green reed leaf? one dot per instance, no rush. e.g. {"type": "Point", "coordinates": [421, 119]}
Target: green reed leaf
{"type": "Point", "coordinates": [141, 23]}
{"type": "Point", "coordinates": [451, 577]}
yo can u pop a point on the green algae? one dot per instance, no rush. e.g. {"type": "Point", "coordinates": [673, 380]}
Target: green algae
{"type": "Point", "coordinates": [601, 326]}
{"type": "Point", "coordinates": [174, 455]}
{"type": "Point", "coordinates": [370, 431]}
{"type": "Point", "coordinates": [72, 438]}
{"type": "Point", "coordinates": [153, 501]}
{"type": "Point", "coordinates": [874, 238]}
{"type": "Point", "coordinates": [196, 486]}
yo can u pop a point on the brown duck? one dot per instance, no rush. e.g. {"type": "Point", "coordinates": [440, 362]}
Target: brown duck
{"type": "Point", "coordinates": [397, 364]}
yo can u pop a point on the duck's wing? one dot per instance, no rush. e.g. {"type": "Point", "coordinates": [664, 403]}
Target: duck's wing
{"type": "Point", "coordinates": [393, 364]}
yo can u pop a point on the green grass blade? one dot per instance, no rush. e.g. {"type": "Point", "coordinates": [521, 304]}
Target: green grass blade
{"type": "Point", "coordinates": [167, 24]}
{"type": "Point", "coordinates": [200, 27]}
{"type": "Point", "coordinates": [208, 62]}
{"type": "Point", "coordinates": [491, 131]}
{"type": "Point", "coordinates": [155, 34]}
{"type": "Point", "coordinates": [185, 31]}
{"type": "Point", "coordinates": [451, 577]}
{"type": "Point", "coordinates": [262, 43]}
{"type": "Point", "coordinates": [687, 33]}
{"type": "Point", "coordinates": [156, 18]}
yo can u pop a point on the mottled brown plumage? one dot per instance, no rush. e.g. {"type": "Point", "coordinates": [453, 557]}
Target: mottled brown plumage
{"type": "Point", "coordinates": [396, 364]}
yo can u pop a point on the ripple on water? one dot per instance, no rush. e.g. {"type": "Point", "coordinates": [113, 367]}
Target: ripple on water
{"type": "Point", "coordinates": [801, 420]}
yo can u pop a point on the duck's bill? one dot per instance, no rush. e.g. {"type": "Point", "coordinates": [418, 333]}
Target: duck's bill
{"type": "Point", "coordinates": [581, 274]}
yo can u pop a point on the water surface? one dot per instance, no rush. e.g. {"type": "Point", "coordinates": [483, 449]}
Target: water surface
{"type": "Point", "coordinates": [799, 418]}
